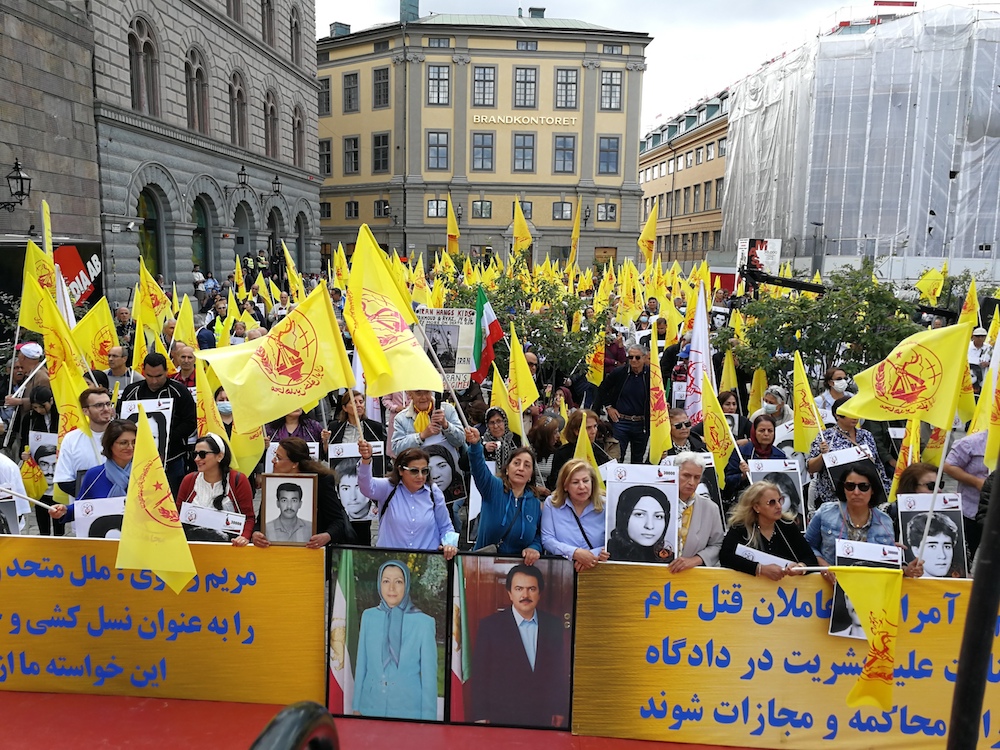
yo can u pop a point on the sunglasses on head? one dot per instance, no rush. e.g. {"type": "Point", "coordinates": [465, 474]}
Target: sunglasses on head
{"type": "Point", "coordinates": [682, 425]}
{"type": "Point", "coordinates": [203, 454]}
{"type": "Point", "coordinates": [415, 471]}
{"type": "Point", "coordinates": [930, 485]}
{"type": "Point", "coordinates": [863, 486]}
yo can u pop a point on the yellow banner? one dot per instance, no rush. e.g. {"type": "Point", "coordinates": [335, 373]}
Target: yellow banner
{"type": "Point", "coordinates": [713, 656]}
{"type": "Point", "coordinates": [70, 622]}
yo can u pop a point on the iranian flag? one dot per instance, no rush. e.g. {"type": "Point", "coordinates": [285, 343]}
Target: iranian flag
{"type": "Point", "coordinates": [488, 332]}
{"type": "Point", "coordinates": [461, 656]}
{"type": "Point", "coordinates": [344, 626]}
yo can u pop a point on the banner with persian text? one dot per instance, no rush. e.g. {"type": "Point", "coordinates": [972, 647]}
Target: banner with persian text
{"type": "Point", "coordinates": [70, 622]}
{"type": "Point", "coordinates": [717, 657]}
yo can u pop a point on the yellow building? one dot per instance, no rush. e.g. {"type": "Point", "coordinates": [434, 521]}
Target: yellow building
{"type": "Point", "coordinates": [486, 107]}
{"type": "Point", "coordinates": [682, 166]}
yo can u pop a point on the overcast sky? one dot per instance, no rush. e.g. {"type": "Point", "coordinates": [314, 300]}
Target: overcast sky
{"type": "Point", "coordinates": [698, 48]}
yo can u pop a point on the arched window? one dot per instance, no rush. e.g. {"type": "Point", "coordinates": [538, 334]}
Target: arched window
{"type": "Point", "coordinates": [149, 233]}
{"type": "Point", "coordinates": [267, 21]}
{"type": "Point", "coordinates": [238, 111]}
{"type": "Point", "coordinates": [143, 68]}
{"type": "Point", "coordinates": [234, 9]}
{"type": "Point", "coordinates": [300, 241]}
{"type": "Point", "coordinates": [271, 148]}
{"type": "Point", "coordinates": [201, 238]}
{"type": "Point", "coordinates": [196, 81]}
{"type": "Point", "coordinates": [296, 37]}
{"type": "Point", "coordinates": [298, 139]}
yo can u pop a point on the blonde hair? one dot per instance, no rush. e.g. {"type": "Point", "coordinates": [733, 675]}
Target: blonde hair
{"type": "Point", "coordinates": [745, 515]}
{"type": "Point", "coordinates": [571, 467]}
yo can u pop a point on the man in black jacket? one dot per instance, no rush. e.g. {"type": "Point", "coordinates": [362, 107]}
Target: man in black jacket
{"type": "Point", "coordinates": [624, 395]}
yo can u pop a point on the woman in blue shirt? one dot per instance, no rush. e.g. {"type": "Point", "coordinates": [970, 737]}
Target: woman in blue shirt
{"type": "Point", "coordinates": [396, 674]}
{"type": "Point", "coordinates": [573, 517]}
{"type": "Point", "coordinates": [511, 514]}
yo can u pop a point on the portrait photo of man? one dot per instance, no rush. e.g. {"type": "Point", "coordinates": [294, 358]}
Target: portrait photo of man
{"type": "Point", "coordinates": [287, 526]}
{"type": "Point", "coordinates": [520, 671]}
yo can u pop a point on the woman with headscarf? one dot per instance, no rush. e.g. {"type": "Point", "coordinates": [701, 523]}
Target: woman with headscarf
{"type": "Point", "coordinates": [215, 485]}
{"type": "Point", "coordinates": [776, 405]}
{"type": "Point", "coordinates": [730, 403]}
{"type": "Point", "coordinates": [498, 441]}
{"type": "Point", "coordinates": [761, 445]}
{"type": "Point", "coordinates": [396, 673]}
{"type": "Point", "coordinates": [641, 522]}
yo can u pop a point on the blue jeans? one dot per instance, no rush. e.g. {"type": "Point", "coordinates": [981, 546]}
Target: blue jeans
{"type": "Point", "coordinates": [634, 434]}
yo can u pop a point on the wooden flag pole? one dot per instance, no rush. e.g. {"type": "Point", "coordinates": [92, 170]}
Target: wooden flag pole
{"type": "Point", "coordinates": [9, 491]}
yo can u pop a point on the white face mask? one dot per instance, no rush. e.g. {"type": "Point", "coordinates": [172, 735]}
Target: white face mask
{"type": "Point", "coordinates": [839, 385]}
{"type": "Point", "coordinates": [770, 408]}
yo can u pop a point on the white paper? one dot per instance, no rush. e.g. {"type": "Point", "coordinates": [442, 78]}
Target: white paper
{"type": "Point", "coordinates": [210, 518]}
{"type": "Point", "coordinates": [86, 512]}
{"type": "Point", "coordinates": [757, 556]}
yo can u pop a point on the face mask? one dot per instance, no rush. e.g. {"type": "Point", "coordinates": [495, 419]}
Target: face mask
{"type": "Point", "coordinates": [225, 407]}
{"type": "Point", "coordinates": [643, 319]}
{"type": "Point", "coordinates": [770, 408]}
{"type": "Point", "coordinates": [839, 385]}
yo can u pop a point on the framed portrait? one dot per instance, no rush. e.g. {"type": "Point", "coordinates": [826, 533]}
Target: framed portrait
{"type": "Point", "coordinates": [158, 412]}
{"type": "Point", "coordinates": [844, 619]}
{"type": "Point", "coordinates": [944, 552]}
{"type": "Point", "coordinates": [42, 446]}
{"type": "Point", "coordinates": [8, 517]}
{"type": "Point", "coordinates": [642, 520]}
{"type": "Point", "coordinates": [288, 508]}
{"type": "Point", "coordinates": [495, 678]}
{"type": "Point", "coordinates": [99, 518]}
{"type": "Point", "coordinates": [784, 473]}
{"type": "Point", "coordinates": [272, 447]}
{"type": "Point", "coordinates": [388, 634]}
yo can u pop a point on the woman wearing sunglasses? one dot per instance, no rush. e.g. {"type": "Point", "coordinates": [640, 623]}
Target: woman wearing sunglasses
{"type": "Point", "coordinates": [412, 511]}
{"type": "Point", "coordinates": [217, 486]}
{"type": "Point", "coordinates": [758, 522]}
{"type": "Point", "coordinates": [683, 439]}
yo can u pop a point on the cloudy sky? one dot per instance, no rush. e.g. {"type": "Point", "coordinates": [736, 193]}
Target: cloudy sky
{"type": "Point", "coordinates": [698, 48]}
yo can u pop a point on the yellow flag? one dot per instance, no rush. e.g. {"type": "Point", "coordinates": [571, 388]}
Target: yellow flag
{"type": "Point", "coordinates": [341, 270]}
{"type": "Point", "coordinates": [453, 231]}
{"type": "Point", "coordinates": [921, 377]}
{"type": "Point", "coordinates": [264, 291]}
{"type": "Point", "coordinates": [718, 436]}
{"type": "Point", "coordinates": [161, 348]}
{"type": "Point", "coordinates": [909, 453]}
{"type": "Point", "coordinates": [574, 239]}
{"type": "Point", "coordinates": [421, 294]}
{"type": "Point", "coordinates": [993, 438]}
{"type": "Point", "coordinates": [47, 228]}
{"type": "Point", "coordinates": [585, 450]}
{"type": "Point", "coordinates": [930, 285]}
{"type": "Point", "coordinates": [757, 387]}
{"type": "Point", "coordinates": [223, 329]}
{"type": "Point", "coordinates": [521, 385]}
{"type": "Point", "coordinates": [152, 537]}
{"type": "Point", "coordinates": [647, 240]}
{"type": "Point", "coordinates": [970, 308]}
{"type": "Point", "coordinates": [500, 399]}
{"type": "Point", "coordinates": [40, 265]}
{"type": "Point", "coordinates": [981, 414]}
{"type": "Point", "coordinates": [933, 450]}
{"type": "Point", "coordinates": [295, 285]}
{"type": "Point", "coordinates": [247, 447]}
{"type": "Point", "coordinates": [95, 335]}
{"type": "Point", "coordinates": [139, 346]}
{"type": "Point", "coordinates": [301, 359]}
{"type": "Point", "coordinates": [966, 396]}
{"type": "Point", "coordinates": [35, 483]}
{"type": "Point", "coordinates": [563, 411]}
{"type": "Point", "coordinates": [659, 421]}
{"type": "Point", "coordinates": [273, 291]}
{"type": "Point", "coordinates": [729, 381]}
{"type": "Point", "coordinates": [874, 594]}
{"type": "Point", "coordinates": [378, 314]}
{"type": "Point", "coordinates": [207, 411]}
{"type": "Point", "coordinates": [807, 425]}
{"type": "Point", "coordinates": [185, 324]}
{"type": "Point", "coordinates": [522, 235]}
{"type": "Point", "coordinates": [736, 322]}
{"type": "Point", "coordinates": [595, 362]}
{"type": "Point", "coordinates": [991, 335]}
{"type": "Point", "coordinates": [152, 298]}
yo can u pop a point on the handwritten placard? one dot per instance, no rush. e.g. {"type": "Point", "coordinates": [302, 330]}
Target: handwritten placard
{"type": "Point", "coordinates": [70, 622]}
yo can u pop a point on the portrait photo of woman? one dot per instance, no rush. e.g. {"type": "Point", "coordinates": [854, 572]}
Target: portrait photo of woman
{"type": "Point", "coordinates": [645, 527]}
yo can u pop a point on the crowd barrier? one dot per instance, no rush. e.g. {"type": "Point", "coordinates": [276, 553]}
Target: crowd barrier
{"type": "Point", "coordinates": [709, 656]}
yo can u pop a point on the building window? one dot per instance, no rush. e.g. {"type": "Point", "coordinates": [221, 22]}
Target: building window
{"type": "Point", "coordinates": [482, 209]}
{"type": "Point", "coordinates": [324, 97]}
{"type": "Point", "coordinates": [196, 87]}
{"type": "Point", "coordinates": [381, 46]}
{"type": "Point", "coordinates": [725, 105]}
{"type": "Point", "coordinates": [324, 211]}
{"type": "Point", "coordinates": [234, 9]}
{"type": "Point", "coordinates": [607, 212]}
{"type": "Point", "coordinates": [661, 206]}
{"type": "Point", "coordinates": [482, 152]}
{"type": "Point", "coordinates": [689, 159]}
{"type": "Point", "coordinates": [608, 155]}
{"type": "Point", "coordinates": [351, 93]}
{"type": "Point", "coordinates": [687, 200]}
{"type": "Point", "coordinates": [437, 209]}
{"type": "Point", "coordinates": [326, 157]}
{"type": "Point", "coordinates": [380, 153]}
{"type": "Point", "coordinates": [718, 193]}
{"type": "Point", "coordinates": [526, 46]}
{"type": "Point", "coordinates": [524, 152]}
{"type": "Point", "coordinates": [352, 155]}
{"type": "Point", "coordinates": [696, 205]}
{"type": "Point", "coordinates": [527, 208]}
{"type": "Point", "coordinates": [267, 22]}
{"type": "Point", "coordinates": [562, 211]}
{"type": "Point", "coordinates": [380, 88]}
{"type": "Point", "coordinates": [295, 36]}
{"type": "Point", "coordinates": [670, 166]}
{"type": "Point", "coordinates": [438, 84]}
{"type": "Point", "coordinates": [143, 68]}
{"type": "Point", "coordinates": [709, 151]}
{"type": "Point", "coordinates": [351, 210]}
{"type": "Point", "coordinates": [722, 145]}
{"type": "Point", "coordinates": [566, 83]}
{"type": "Point", "coordinates": [565, 154]}
{"type": "Point", "coordinates": [680, 162]}
{"type": "Point", "coordinates": [699, 155]}
{"type": "Point", "coordinates": [656, 171]}
{"type": "Point", "coordinates": [677, 203]}
{"type": "Point", "coordinates": [439, 41]}
{"type": "Point", "coordinates": [238, 111]}
{"type": "Point", "coordinates": [525, 87]}
{"type": "Point", "coordinates": [612, 49]}
{"type": "Point", "coordinates": [611, 89]}
{"type": "Point", "coordinates": [271, 146]}
{"type": "Point", "coordinates": [716, 239]}
{"type": "Point", "coordinates": [484, 86]}
{"type": "Point", "coordinates": [437, 150]}
{"type": "Point", "coordinates": [298, 139]}
{"type": "Point", "coordinates": [708, 196]}
{"type": "Point", "coordinates": [382, 209]}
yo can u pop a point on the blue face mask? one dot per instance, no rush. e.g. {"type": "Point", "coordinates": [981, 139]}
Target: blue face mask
{"type": "Point", "coordinates": [225, 407]}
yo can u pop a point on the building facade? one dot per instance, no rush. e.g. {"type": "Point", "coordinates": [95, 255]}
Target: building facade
{"type": "Point", "coordinates": [682, 168]}
{"type": "Point", "coordinates": [485, 108]}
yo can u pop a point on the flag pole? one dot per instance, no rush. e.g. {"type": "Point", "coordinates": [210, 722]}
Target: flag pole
{"type": "Point", "coordinates": [9, 491]}
{"type": "Point", "coordinates": [437, 363]}
{"type": "Point", "coordinates": [934, 496]}
{"type": "Point", "coordinates": [18, 394]}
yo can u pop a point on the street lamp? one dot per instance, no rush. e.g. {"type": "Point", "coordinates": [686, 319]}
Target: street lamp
{"type": "Point", "coordinates": [458, 213]}
{"type": "Point", "coordinates": [19, 185]}
{"type": "Point", "coordinates": [243, 183]}
{"type": "Point", "coordinates": [586, 216]}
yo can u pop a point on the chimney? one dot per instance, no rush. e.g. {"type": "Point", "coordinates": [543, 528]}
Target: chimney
{"type": "Point", "coordinates": [339, 29]}
{"type": "Point", "coordinates": [519, 13]}
{"type": "Point", "coordinates": [409, 11]}
{"type": "Point", "coordinates": [536, 12]}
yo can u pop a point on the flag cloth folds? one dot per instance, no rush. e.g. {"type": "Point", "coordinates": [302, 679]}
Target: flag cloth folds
{"type": "Point", "coordinates": [659, 421]}
{"type": "Point", "coordinates": [295, 285]}
{"type": "Point", "coordinates": [500, 399]}
{"type": "Point", "coordinates": [574, 239]}
{"type": "Point", "coordinates": [521, 388]}
{"type": "Point", "coordinates": [585, 450]}
{"type": "Point", "coordinates": [421, 293]}
{"type": "Point", "coordinates": [208, 418]}
{"type": "Point", "coordinates": [647, 240]}
{"type": "Point", "coordinates": [909, 454]}
{"type": "Point", "coordinates": [40, 265]}
{"type": "Point", "coordinates": [874, 594]}
{"type": "Point", "coordinates": [248, 447]}
{"type": "Point", "coordinates": [184, 330]}
{"type": "Point", "coordinates": [378, 314]}
{"type": "Point", "coordinates": [993, 436]}
{"type": "Point", "coordinates": [806, 424]}
{"type": "Point", "coordinates": [699, 362]}
{"type": "Point", "coordinates": [453, 231]}
{"type": "Point", "coordinates": [921, 378]}
{"type": "Point", "coordinates": [757, 387]}
{"type": "Point", "coordinates": [930, 285]}
{"type": "Point", "coordinates": [970, 307]}
{"type": "Point", "coordinates": [152, 298]}
{"type": "Point", "coordinates": [344, 626]}
{"type": "Point", "coordinates": [981, 414]}
{"type": "Point", "coordinates": [729, 381]}
{"type": "Point", "coordinates": [718, 436]}
{"type": "Point", "coordinates": [488, 332]}
{"type": "Point", "coordinates": [461, 648]}
{"type": "Point", "coordinates": [241, 287]}
{"type": "Point", "coordinates": [95, 335]}
{"type": "Point", "coordinates": [152, 537]}
{"type": "Point", "coordinates": [522, 235]}
{"type": "Point", "coordinates": [595, 362]}
{"type": "Point", "coordinates": [35, 483]}
{"type": "Point", "coordinates": [301, 359]}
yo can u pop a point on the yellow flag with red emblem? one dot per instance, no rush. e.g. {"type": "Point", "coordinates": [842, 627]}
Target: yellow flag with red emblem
{"type": "Point", "coordinates": [585, 450]}
{"type": "Point", "coordinates": [207, 410]}
{"type": "Point", "coordinates": [301, 359]}
{"type": "Point", "coordinates": [35, 483]}
{"type": "Point", "coordinates": [152, 537]}
{"type": "Point", "coordinates": [152, 298]}
{"type": "Point", "coordinates": [95, 335]}
{"type": "Point", "coordinates": [757, 387]}
{"type": "Point", "coordinates": [909, 453]}
{"type": "Point", "coordinates": [806, 421]}
{"type": "Point", "coordinates": [647, 239]}
{"type": "Point", "coordinates": [970, 307]}
{"type": "Point", "coordinates": [659, 421]}
{"type": "Point", "coordinates": [500, 399]}
{"type": "Point", "coordinates": [718, 436]}
{"type": "Point", "coordinates": [595, 363]}
{"type": "Point", "coordinates": [522, 234]}
{"type": "Point", "coordinates": [40, 265]}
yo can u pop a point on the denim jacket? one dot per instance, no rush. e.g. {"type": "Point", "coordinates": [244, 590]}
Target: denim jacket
{"type": "Point", "coordinates": [829, 524]}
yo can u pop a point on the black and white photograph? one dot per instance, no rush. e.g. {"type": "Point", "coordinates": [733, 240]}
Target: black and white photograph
{"type": "Point", "coordinates": [451, 334]}
{"type": "Point", "coordinates": [158, 413]}
{"type": "Point", "coordinates": [513, 679]}
{"type": "Point", "coordinates": [360, 509]}
{"type": "Point", "coordinates": [842, 462]}
{"type": "Point", "coordinates": [210, 525]}
{"type": "Point", "coordinates": [288, 508]}
{"type": "Point", "coordinates": [443, 340]}
{"type": "Point", "coordinates": [8, 517]}
{"type": "Point", "coordinates": [719, 317]}
{"type": "Point", "coordinates": [785, 474]}
{"type": "Point", "coordinates": [642, 520]}
{"type": "Point", "coordinates": [944, 551]}
{"type": "Point", "coordinates": [42, 446]}
{"type": "Point", "coordinates": [100, 518]}
{"type": "Point", "coordinates": [844, 619]}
